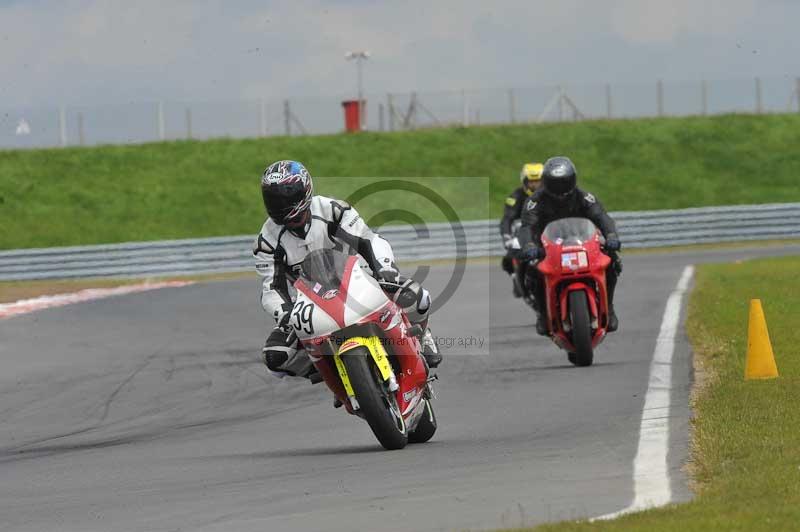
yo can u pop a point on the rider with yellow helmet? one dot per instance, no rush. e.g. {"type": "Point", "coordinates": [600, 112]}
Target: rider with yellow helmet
{"type": "Point", "coordinates": [530, 176]}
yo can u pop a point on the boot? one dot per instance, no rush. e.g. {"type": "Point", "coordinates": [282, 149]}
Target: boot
{"type": "Point", "coordinates": [541, 324]}
{"type": "Point", "coordinates": [430, 351]}
{"type": "Point", "coordinates": [507, 265]}
{"type": "Point", "coordinates": [613, 322]}
{"type": "Point", "coordinates": [611, 283]}
{"type": "Point", "coordinates": [515, 288]}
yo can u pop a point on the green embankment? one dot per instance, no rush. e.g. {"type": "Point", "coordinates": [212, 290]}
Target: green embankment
{"type": "Point", "coordinates": [191, 188]}
{"type": "Point", "coordinates": [745, 456]}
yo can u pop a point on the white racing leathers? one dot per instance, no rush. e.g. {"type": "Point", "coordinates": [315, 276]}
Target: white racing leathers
{"type": "Point", "coordinates": [279, 253]}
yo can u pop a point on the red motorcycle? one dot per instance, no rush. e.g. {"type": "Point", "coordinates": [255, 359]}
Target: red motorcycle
{"type": "Point", "coordinates": [364, 347]}
{"type": "Point", "coordinates": [574, 272]}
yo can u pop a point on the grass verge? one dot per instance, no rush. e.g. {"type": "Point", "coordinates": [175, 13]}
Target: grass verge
{"type": "Point", "coordinates": [73, 196]}
{"type": "Point", "coordinates": [745, 457]}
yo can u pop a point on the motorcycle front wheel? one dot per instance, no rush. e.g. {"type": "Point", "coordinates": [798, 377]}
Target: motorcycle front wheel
{"type": "Point", "coordinates": [581, 329]}
{"type": "Point", "coordinates": [378, 405]}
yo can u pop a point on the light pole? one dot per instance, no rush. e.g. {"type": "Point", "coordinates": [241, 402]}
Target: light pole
{"type": "Point", "coordinates": [359, 57]}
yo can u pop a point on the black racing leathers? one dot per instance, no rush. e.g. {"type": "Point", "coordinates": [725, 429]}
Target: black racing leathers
{"type": "Point", "coordinates": [513, 208]}
{"type": "Point", "coordinates": [541, 209]}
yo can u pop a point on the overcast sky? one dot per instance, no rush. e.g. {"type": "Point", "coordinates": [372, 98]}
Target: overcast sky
{"type": "Point", "coordinates": [112, 51]}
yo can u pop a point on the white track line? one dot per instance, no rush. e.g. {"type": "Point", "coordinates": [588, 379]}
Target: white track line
{"type": "Point", "coordinates": [25, 306]}
{"type": "Point", "coordinates": [651, 482]}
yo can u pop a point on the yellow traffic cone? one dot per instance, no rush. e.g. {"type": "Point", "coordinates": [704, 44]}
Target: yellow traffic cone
{"type": "Point", "coordinates": [760, 360]}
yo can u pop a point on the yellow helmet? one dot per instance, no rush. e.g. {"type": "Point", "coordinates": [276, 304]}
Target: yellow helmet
{"type": "Point", "coordinates": [531, 175]}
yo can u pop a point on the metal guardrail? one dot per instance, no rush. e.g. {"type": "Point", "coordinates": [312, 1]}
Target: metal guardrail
{"type": "Point", "coordinates": [410, 243]}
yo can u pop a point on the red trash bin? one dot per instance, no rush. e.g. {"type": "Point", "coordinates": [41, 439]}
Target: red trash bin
{"type": "Point", "coordinates": [352, 115]}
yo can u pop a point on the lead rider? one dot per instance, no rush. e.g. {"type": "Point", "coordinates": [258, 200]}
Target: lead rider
{"type": "Point", "coordinates": [300, 222]}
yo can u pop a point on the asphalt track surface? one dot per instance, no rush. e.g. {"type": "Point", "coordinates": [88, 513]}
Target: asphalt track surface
{"type": "Point", "coordinates": [153, 412]}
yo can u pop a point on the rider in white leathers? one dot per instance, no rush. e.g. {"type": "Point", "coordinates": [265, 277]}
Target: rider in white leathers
{"type": "Point", "coordinates": [299, 223]}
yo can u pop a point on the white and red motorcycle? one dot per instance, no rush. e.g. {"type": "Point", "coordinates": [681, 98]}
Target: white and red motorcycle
{"type": "Point", "coordinates": [364, 347]}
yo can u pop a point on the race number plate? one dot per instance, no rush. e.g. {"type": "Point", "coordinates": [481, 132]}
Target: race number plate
{"type": "Point", "coordinates": [574, 261]}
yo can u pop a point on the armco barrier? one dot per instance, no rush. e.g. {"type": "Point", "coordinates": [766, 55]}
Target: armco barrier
{"type": "Point", "coordinates": [434, 241]}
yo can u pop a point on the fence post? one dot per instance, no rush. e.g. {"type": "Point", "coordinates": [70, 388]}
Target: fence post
{"type": "Point", "coordinates": [512, 107]}
{"type": "Point", "coordinates": [392, 112]}
{"type": "Point", "coordinates": [80, 129]}
{"type": "Point", "coordinates": [609, 106]}
{"type": "Point", "coordinates": [188, 122]}
{"type": "Point", "coordinates": [287, 118]}
{"type": "Point", "coordinates": [704, 97]}
{"type": "Point", "coordinates": [560, 103]}
{"type": "Point", "coordinates": [62, 125]}
{"type": "Point", "coordinates": [390, 108]}
{"type": "Point", "coordinates": [660, 97]}
{"type": "Point", "coordinates": [160, 120]}
{"type": "Point", "coordinates": [380, 116]}
{"type": "Point", "coordinates": [759, 107]}
{"type": "Point", "coordinates": [464, 108]}
{"type": "Point", "coordinates": [262, 117]}
{"type": "Point", "coordinates": [412, 111]}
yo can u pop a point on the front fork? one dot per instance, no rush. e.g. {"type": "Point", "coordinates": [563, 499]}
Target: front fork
{"type": "Point", "coordinates": [379, 356]}
{"type": "Point", "coordinates": [594, 311]}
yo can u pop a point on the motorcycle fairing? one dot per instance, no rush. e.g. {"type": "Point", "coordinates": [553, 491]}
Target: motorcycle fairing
{"type": "Point", "coordinates": [560, 280]}
{"type": "Point", "coordinates": [350, 322]}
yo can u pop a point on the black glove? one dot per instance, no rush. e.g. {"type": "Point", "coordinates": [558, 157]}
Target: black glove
{"type": "Point", "coordinates": [282, 316]}
{"type": "Point", "coordinates": [613, 243]}
{"type": "Point", "coordinates": [388, 272]}
{"type": "Point", "coordinates": [617, 264]}
{"type": "Point", "coordinates": [534, 253]}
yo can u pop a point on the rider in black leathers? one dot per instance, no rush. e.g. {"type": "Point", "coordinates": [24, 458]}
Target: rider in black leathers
{"type": "Point", "coordinates": [530, 176]}
{"type": "Point", "coordinates": [558, 197]}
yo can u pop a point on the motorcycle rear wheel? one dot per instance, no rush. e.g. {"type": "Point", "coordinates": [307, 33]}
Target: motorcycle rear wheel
{"type": "Point", "coordinates": [378, 405]}
{"type": "Point", "coordinates": [581, 329]}
{"type": "Point", "coordinates": [426, 427]}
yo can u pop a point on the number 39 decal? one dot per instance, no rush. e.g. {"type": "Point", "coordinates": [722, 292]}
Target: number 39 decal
{"type": "Point", "coordinates": [302, 317]}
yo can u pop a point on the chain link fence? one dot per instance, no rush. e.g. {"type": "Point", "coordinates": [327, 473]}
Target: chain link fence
{"type": "Point", "coordinates": [138, 122]}
{"type": "Point", "coordinates": [592, 101]}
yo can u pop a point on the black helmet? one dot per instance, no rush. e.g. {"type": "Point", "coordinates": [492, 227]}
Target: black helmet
{"type": "Point", "coordinates": [559, 178]}
{"type": "Point", "coordinates": [286, 188]}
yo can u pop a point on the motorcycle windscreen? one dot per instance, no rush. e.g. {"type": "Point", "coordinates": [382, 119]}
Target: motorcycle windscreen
{"type": "Point", "coordinates": [570, 231]}
{"type": "Point", "coordinates": [323, 269]}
